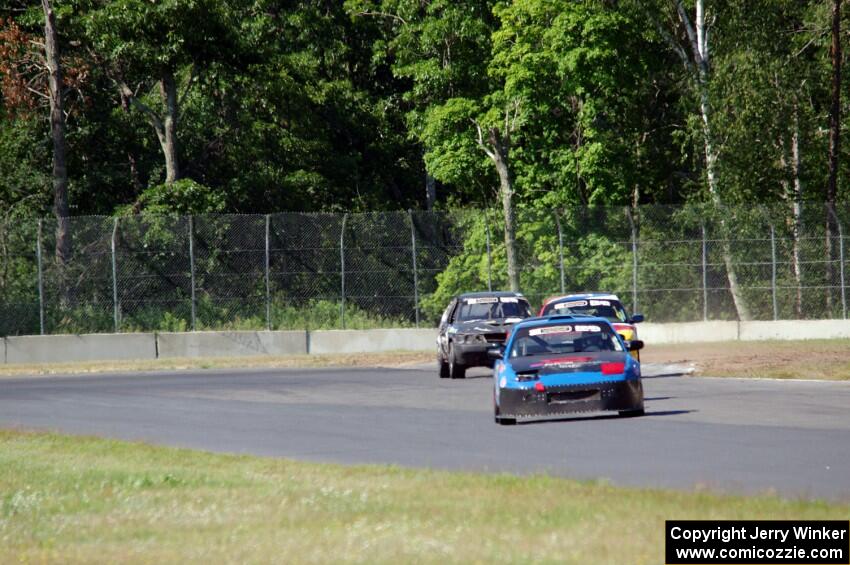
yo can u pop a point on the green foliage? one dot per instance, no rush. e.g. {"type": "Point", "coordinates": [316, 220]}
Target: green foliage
{"type": "Point", "coordinates": [323, 106]}
{"type": "Point", "coordinates": [143, 37]}
{"type": "Point", "coordinates": [593, 259]}
{"type": "Point", "coordinates": [183, 197]}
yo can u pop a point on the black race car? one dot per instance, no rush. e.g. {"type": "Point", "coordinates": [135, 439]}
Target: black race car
{"type": "Point", "coordinates": [474, 323]}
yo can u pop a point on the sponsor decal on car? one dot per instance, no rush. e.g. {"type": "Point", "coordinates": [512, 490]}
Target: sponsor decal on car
{"type": "Point", "coordinates": [550, 330]}
{"type": "Point", "coordinates": [482, 300]}
{"type": "Point", "coordinates": [562, 362]}
{"type": "Point", "coordinates": [570, 304]}
{"type": "Point", "coordinates": [600, 303]}
{"type": "Point", "coordinates": [492, 300]}
{"type": "Point", "coordinates": [579, 328]}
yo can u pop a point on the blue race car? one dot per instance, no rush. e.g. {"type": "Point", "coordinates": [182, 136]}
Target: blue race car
{"type": "Point", "coordinates": [559, 365]}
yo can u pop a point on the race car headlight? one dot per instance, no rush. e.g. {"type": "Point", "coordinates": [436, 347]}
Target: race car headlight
{"type": "Point", "coordinates": [527, 376]}
{"type": "Point", "coordinates": [470, 338]}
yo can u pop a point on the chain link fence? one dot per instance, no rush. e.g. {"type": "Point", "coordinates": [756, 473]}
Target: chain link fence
{"type": "Point", "coordinates": [397, 269]}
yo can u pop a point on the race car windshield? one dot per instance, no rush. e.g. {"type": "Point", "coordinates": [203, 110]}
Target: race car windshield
{"type": "Point", "coordinates": [611, 310]}
{"type": "Point", "coordinates": [564, 338]}
{"type": "Point", "coordinates": [475, 310]}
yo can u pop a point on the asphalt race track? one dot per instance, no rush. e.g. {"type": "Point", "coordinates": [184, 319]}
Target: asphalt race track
{"type": "Point", "coordinates": [732, 435]}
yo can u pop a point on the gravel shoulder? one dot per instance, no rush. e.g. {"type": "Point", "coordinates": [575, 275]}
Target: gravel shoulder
{"type": "Point", "coordinates": [810, 359]}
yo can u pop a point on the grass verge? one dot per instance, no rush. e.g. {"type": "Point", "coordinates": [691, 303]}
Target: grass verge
{"type": "Point", "coordinates": [389, 359]}
{"type": "Point", "coordinates": [70, 499]}
{"type": "Point", "coordinates": [827, 359]}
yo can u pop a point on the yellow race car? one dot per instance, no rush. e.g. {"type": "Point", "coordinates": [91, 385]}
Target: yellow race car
{"type": "Point", "coordinates": [602, 305]}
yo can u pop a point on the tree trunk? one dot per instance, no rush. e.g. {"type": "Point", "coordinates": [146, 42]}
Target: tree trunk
{"type": "Point", "coordinates": [61, 208]}
{"type": "Point", "coordinates": [500, 159]}
{"type": "Point", "coordinates": [168, 137]}
{"type": "Point", "coordinates": [792, 192]}
{"type": "Point", "coordinates": [700, 54]}
{"type": "Point", "coordinates": [797, 213]}
{"type": "Point", "coordinates": [834, 147]}
{"type": "Point", "coordinates": [430, 189]}
{"type": "Point", "coordinates": [713, 189]}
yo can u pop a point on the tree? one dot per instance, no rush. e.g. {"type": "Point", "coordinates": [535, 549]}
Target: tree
{"type": "Point", "coordinates": [57, 129]}
{"type": "Point", "coordinates": [159, 45]}
{"type": "Point", "coordinates": [32, 74]}
{"type": "Point", "coordinates": [692, 46]}
{"type": "Point", "coordinates": [497, 146]}
{"type": "Point", "coordinates": [834, 145]}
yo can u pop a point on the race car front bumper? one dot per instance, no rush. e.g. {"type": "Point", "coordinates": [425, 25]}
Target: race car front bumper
{"type": "Point", "coordinates": [474, 354]}
{"type": "Point", "coordinates": [626, 395]}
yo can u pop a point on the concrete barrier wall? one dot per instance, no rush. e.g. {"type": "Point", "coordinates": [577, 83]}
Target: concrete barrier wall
{"type": "Point", "coordinates": [795, 329]}
{"type": "Point", "coordinates": [86, 347]}
{"type": "Point", "coordinates": [362, 341]}
{"type": "Point", "coordinates": [231, 344]}
{"type": "Point", "coordinates": [111, 347]}
{"type": "Point", "coordinates": [688, 332]}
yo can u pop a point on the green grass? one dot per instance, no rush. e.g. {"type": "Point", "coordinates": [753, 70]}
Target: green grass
{"type": "Point", "coordinates": [68, 499]}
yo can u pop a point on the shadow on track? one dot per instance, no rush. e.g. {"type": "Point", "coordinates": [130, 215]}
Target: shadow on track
{"type": "Point", "coordinates": [603, 417]}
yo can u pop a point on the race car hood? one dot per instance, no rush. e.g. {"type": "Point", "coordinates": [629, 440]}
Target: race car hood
{"type": "Point", "coordinates": [485, 326]}
{"type": "Point", "coordinates": [585, 362]}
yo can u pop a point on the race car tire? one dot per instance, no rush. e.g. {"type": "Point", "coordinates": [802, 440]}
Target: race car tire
{"type": "Point", "coordinates": [444, 367]}
{"type": "Point", "coordinates": [632, 413]}
{"type": "Point", "coordinates": [498, 419]}
{"type": "Point", "coordinates": [505, 421]}
{"type": "Point", "coordinates": [456, 370]}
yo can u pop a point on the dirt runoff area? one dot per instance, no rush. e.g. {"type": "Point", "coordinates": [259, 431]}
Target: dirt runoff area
{"type": "Point", "coordinates": [810, 359]}
{"type": "Point", "coordinates": [391, 359]}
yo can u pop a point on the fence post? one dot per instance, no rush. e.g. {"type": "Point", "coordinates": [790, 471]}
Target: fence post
{"type": "Point", "coordinates": [342, 270]}
{"type": "Point", "coordinates": [415, 273]}
{"type": "Point", "coordinates": [268, 285]}
{"type": "Point", "coordinates": [773, 271]}
{"type": "Point", "coordinates": [192, 266]}
{"type": "Point", "coordinates": [841, 264]}
{"type": "Point", "coordinates": [489, 256]}
{"type": "Point", "coordinates": [560, 249]}
{"type": "Point", "coordinates": [40, 278]}
{"type": "Point", "coordinates": [843, 285]}
{"type": "Point", "coordinates": [115, 307]}
{"type": "Point", "coordinates": [634, 259]}
{"type": "Point", "coordinates": [704, 276]}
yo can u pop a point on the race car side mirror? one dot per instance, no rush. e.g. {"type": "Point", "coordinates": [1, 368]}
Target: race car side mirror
{"type": "Point", "coordinates": [634, 345]}
{"type": "Point", "coordinates": [496, 352]}
{"type": "Point", "coordinates": [637, 318]}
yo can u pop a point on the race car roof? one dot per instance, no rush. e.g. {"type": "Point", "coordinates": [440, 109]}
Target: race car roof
{"type": "Point", "coordinates": [558, 319]}
{"type": "Point", "coordinates": [491, 293]}
{"type": "Point", "coordinates": [601, 295]}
